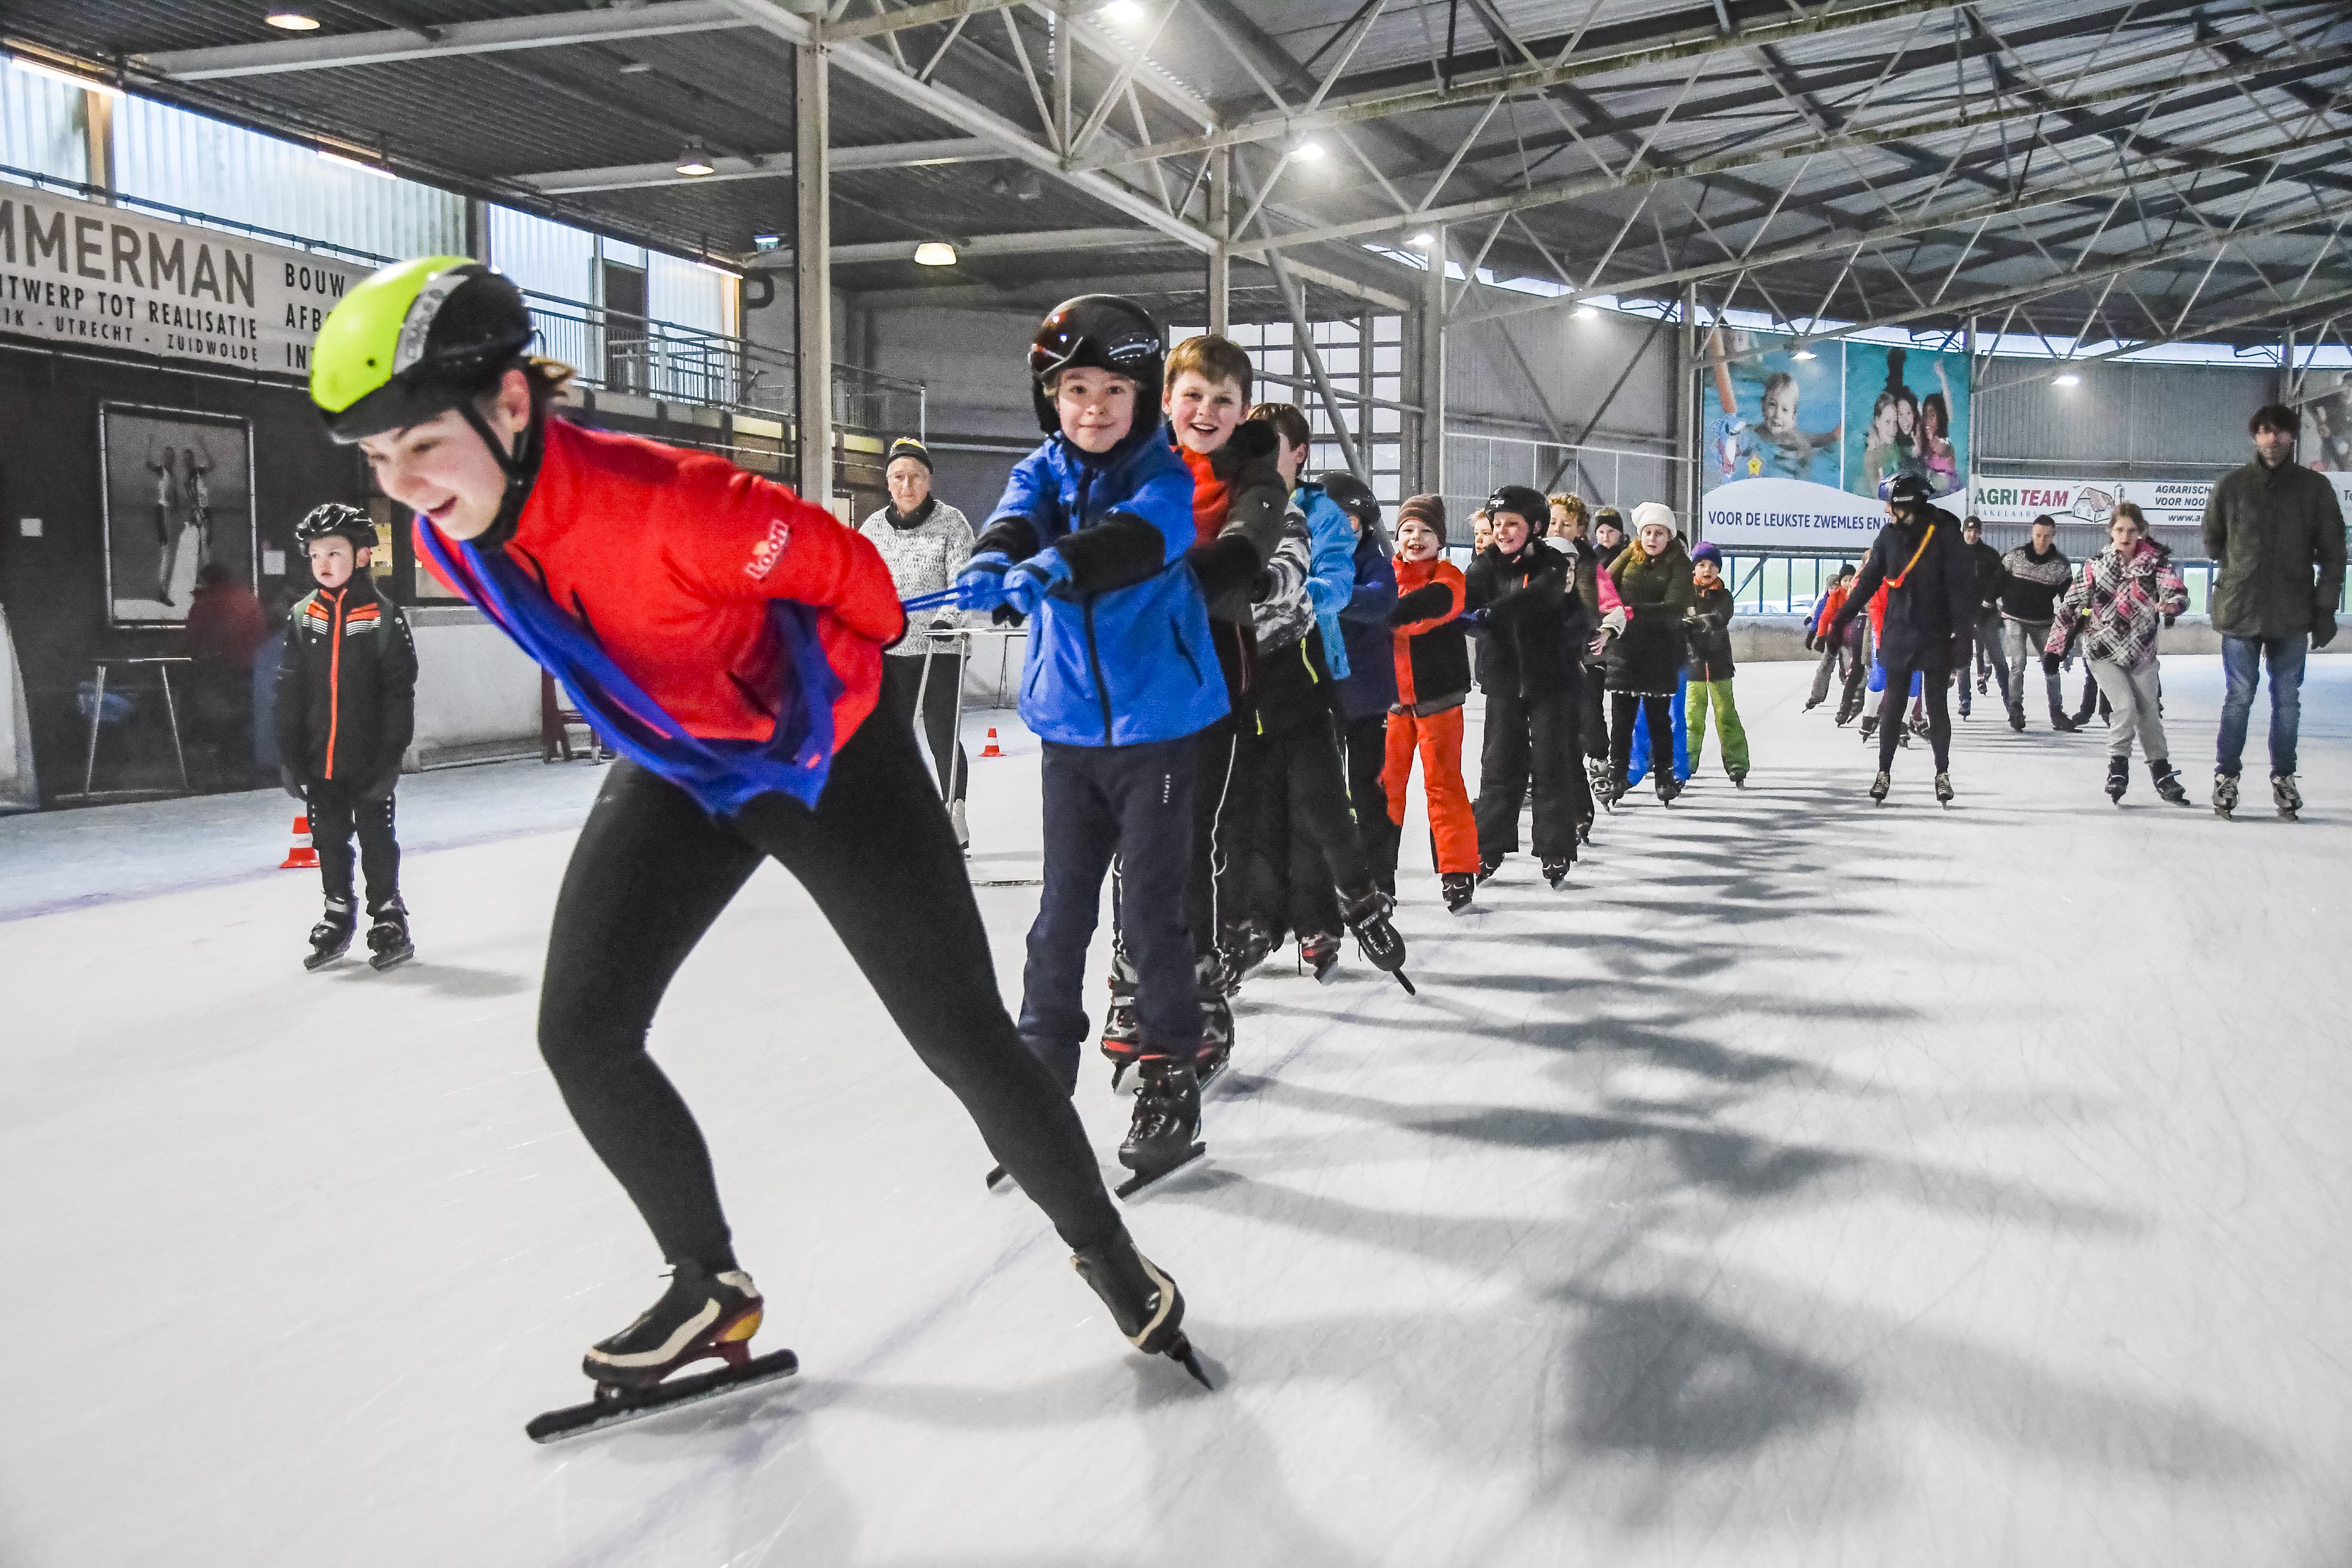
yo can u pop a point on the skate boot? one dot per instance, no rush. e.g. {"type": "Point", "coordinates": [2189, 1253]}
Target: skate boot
{"type": "Point", "coordinates": [2060, 723]}
{"type": "Point", "coordinates": [1459, 887]}
{"type": "Point", "coordinates": [1738, 780]}
{"type": "Point", "coordinates": [1619, 788]}
{"type": "Point", "coordinates": [1247, 945]}
{"type": "Point", "coordinates": [2286, 796]}
{"type": "Point", "coordinates": [1487, 867]}
{"type": "Point", "coordinates": [1367, 914]}
{"type": "Point", "coordinates": [1903, 735]}
{"type": "Point", "coordinates": [2168, 783]}
{"type": "Point", "coordinates": [387, 939]}
{"type": "Point", "coordinates": [1556, 873]}
{"type": "Point", "coordinates": [2225, 793]}
{"type": "Point", "coordinates": [1984, 682]}
{"type": "Point", "coordinates": [2017, 719]}
{"type": "Point", "coordinates": [1869, 728]}
{"type": "Point", "coordinates": [702, 1314]}
{"type": "Point", "coordinates": [1165, 1129]}
{"type": "Point", "coordinates": [1122, 1036]}
{"type": "Point", "coordinates": [1216, 1047]}
{"type": "Point", "coordinates": [1143, 1301]}
{"type": "Point", "coordinates": [2118, 778]}
{"type": "Point", "coordinates": [1943, 789]}
{"type": "Point", "coordinates": [1880, 785]}
{"type": "Point", "coordinates": [331, 936]}
{"type": "Point", "coordinates": [1668, 787]}
{"type": "Point", "coordinates": [1318, 954]}
{"type": "Point", "coordinates": [962, 824]}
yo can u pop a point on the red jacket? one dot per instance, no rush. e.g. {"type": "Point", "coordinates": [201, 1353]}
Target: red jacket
{"type": "Point", "coordinates": [670, 558]}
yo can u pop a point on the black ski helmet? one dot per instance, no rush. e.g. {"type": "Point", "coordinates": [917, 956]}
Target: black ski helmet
{"type": "Point", "coordinates": [1352, 496]}
{"type": "Point", "coordinates": [1909, 488]}
{"type": "Point", "coordinates": [336, 521]}
{"type": "Point", "coordinates": [1528, 504]}
{"type": "Point", "coordinates": [1097, 332]}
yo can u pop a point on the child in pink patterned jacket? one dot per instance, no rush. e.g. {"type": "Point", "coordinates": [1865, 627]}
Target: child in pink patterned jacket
{"type": "Point", "coordinates": [2118, 604]}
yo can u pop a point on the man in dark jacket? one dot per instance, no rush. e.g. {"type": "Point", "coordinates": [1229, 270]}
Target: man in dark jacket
{"type": "Point", "coordinates": [1988, 657]}
{"type": "Point", "coordinates": [2269, 526]}
{"type": "Point", "coordinates": [2032, 575]}
{"type": "Point", "coordinates": [1532, 676]}
{"type": "Point", "coordinates": [346, 711]}
{"type": "Point", "coordinates": [1931, 612]}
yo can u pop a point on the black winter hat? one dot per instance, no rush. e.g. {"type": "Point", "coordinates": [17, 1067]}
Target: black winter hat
{"type": "Point", "coordinates": [908, 446]}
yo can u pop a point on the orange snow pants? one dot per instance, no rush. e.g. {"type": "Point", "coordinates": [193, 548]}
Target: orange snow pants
{"type": "Point", "coordinates": [1438, 737]}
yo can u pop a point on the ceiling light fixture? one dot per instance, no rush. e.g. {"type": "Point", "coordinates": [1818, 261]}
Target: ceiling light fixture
{"type": "Point", "coordinates": [1424, 239]}
{"type": "Point", "coordinates": [2069, 379]}
{"type": "Point", "coordinates": [1804, 355]}
{"type": "Point", "coordinates": [935, 253]}
{"type": "Point", "coordinates": [766, 241]}
{"type": "Point", "coordinates": [1122, 11]}
{"type": "Point", "coordinates": [348, 161]}
{"type": "Point", "coordinates": [1307, 151]}
{"type": "Point", "coordinates": [70, 78]}
{"type": "Point", "coordinates": [695, 161]}
{"type": "Point", "coordinates": [293, 21]}
{"type": "Point", "coordinates": [1586, 312]}
{"type": "Point", "coordinates": [634, 67]}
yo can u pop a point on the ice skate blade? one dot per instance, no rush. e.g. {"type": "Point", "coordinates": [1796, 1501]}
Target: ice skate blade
{"type": "Point", "coordinates": [383, 961]}
{"type": "Point", "coordinates": [1184, 1355]}
{"type": "Point", "coordinates": [575, 1419]}
{"type": "Point", "coordinates": [1398, 976]}
{"type": "Point", "coordinates": [318, 961]}
{"type": "Point", "coordinates": [998, 1176]}
{"type": "Point", "coordinates": [1144, 1180]}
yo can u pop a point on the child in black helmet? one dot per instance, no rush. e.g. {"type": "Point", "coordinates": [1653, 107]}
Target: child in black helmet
{"type": "Point", "coordinates": [1088, 542]}
{"type": "Point", "coordinates": [346, 711]}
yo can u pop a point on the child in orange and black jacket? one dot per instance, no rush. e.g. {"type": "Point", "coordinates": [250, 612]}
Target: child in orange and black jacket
{"type": "Point", "coordinates": [1433, 678]}
{"type": "Point", "coordinates": [346, 711]}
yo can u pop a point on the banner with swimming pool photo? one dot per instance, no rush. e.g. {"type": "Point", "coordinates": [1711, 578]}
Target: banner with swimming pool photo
{"type": "Point", "coordinates": [1772, 411]}
{"type": "Point", "coordinates": [1907, 412]}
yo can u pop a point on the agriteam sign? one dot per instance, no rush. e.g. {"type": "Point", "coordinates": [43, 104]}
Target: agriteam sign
{"type": "Point", "coordinates": [75, 271]}
{"type": "Point", "coordinates": [2166, 503]}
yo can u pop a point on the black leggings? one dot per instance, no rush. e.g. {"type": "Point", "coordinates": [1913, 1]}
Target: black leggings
{"type": "Point", "coordinates": [1367, 740]}
{"type": "Point", "coordinates": [902, 677]}
{"type": "Point", "coordinates": [1658, 713]}
{"type": "Point", "coordinates": [652, 871]}
{"type": "Point", "coordinates": [1936, 686]}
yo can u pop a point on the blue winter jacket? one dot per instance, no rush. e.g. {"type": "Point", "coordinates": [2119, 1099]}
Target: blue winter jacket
{"type": "Point", "coordinates": [1370, 685]}
{"type": "Point", "coordinates": [1330, 570]}
{"type": "Point", "coordinates": [1120, 654]}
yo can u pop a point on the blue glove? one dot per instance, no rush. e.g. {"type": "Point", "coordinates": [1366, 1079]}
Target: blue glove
{"type": "Point", "coordinates": [980, 584]}
{"type": "Point", "coordinates": [1026, 585]}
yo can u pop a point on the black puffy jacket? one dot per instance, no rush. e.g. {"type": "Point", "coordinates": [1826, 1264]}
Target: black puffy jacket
{"type": "Point", "coordinates": [1535, 624]}
{"type": "Point", "coordinates": [1931, 593]}
{"type": "Point", "coordinates": [1707, 630]}
{"type": "Point", "coordinates": [346, 685]}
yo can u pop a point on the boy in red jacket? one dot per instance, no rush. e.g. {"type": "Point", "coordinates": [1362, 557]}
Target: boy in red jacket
{"type": "Point", "coordinates": [1433, 672]}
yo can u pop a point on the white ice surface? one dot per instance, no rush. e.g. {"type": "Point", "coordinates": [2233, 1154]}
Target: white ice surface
{"type": "Point", "coordinates": [1809, 1183]}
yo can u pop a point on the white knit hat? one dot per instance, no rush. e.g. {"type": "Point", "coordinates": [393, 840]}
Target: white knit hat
{"type": "Point", "coordinates": [1650, 512]}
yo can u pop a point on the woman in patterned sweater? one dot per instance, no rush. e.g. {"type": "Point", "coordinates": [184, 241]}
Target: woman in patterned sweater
{"type": "Point", "coordinates": [2122, 597]}
{"type": "Point", "coordinates": [925, 542]}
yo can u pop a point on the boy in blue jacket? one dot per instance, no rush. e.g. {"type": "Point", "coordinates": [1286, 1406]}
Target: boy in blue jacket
{"type": "Point", "coordinates": [1089, 542]}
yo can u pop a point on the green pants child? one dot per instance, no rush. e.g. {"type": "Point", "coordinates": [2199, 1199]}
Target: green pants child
{"type": "Point", "coordinates": [1696, 695]}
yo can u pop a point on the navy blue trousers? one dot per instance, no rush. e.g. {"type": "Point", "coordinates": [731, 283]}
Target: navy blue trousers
{"type": "Point", "coordinates": [1135, 803]}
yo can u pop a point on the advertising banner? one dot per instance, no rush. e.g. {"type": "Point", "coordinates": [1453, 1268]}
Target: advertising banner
{"type": "Point", "coordinates": [75, 271]}
{"type": "Point", "coordinates": [2068, 501]}
{"type": "Point", "coordinates": [2168, 503]}
{"type": "Point", "coordinates": [1802, 444]}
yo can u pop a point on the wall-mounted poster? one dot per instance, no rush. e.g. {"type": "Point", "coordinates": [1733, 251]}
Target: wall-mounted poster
{"type": "Point", "coordinates": [2327, 443]}
{"type": "Point", "coordinates": [1907, 411]}
{"type": "Point", "coordinates": [177, 495]}
{"type": "Point", "coordinates": [1773, 415]}
{"type": "Point", "coordinates": [2066, 500]}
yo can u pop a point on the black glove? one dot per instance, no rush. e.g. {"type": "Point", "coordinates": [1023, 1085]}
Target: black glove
{"type": "Point", "coordinates": [2323, 629]}
{"type": "Point", "coordinates": [1810, 640]}
{"type": "Point", "coordinates": [1429, 599]}
{"type": "Point", "coordinates": [291, 783]}
{"type": "Point", "coordinates": [380, 786]}
{"type": "Point", "coordinates": [1006, 615]}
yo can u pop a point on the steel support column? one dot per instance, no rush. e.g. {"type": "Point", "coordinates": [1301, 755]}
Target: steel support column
{"type": "Point", "coordinates": [1688, 424]}
{"type": "Point", "coordinates": [813, 272]}
{"type": "Point", "coordinates": [1220, 259]}
{"type": "Point", "coordinates": [1431, 359]}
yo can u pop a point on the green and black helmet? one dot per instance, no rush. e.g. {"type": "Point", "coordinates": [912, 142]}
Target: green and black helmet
{"type": "Point", "coordinates": [413, 340]}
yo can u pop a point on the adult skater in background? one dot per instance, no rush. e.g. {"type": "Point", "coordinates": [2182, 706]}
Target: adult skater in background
{"type": "Point", "coordinates": [1931, 587]}
{"type": "Point", "coordinates": [2032, 577]}
{"type": "Point", "coordinates": [2122, 600]}
{"type": "Point", "coordinates": [2271, 525]}
{"type": "Point", "coordinates": [1986, 656]}
{"type": "Point", "coordinates": [925, 541]}
{"type": "Point", "coordinates": [727, 638]}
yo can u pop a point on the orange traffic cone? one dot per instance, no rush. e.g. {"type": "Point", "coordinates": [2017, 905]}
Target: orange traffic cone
{"type": "Point", "coordinates": [302, 858]}
{"type": "Point", "coordinates": [989, 749]}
